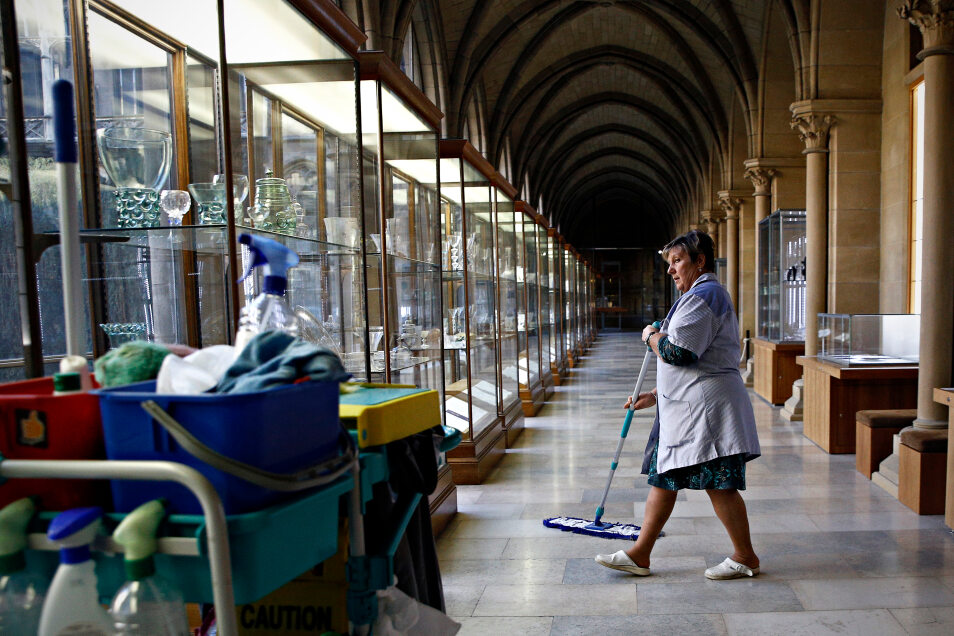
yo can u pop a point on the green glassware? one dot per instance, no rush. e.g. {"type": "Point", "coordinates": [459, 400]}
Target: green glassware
{"type": "Point", "coordinates": [274, 208]}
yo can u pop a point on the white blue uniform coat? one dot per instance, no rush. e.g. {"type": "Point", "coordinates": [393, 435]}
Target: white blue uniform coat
{"type": "Point", "coordinates": [703, 410]}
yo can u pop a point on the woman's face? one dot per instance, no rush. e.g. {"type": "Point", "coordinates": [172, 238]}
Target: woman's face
{"type": "Point", "coordinates": [683, 270]}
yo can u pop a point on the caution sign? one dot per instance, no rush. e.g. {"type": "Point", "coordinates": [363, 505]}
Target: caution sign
{"type": "Point", "coordinates": [303, 606]}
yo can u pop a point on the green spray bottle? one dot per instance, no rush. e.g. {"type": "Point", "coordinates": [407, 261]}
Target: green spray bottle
{"type": "Point", "coordinates": [21, 592]}
{"type": "Point", "coordinates": [146, 603]}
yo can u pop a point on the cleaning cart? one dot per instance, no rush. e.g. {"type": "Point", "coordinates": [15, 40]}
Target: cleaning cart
{"type": "Point", "coordinates": [236, 559]}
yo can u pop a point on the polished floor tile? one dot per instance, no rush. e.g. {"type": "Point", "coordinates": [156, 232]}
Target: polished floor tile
{"type": "Point", "coordinates": [695, 624]}
{"type": "Point", "coordinates": [926, 621]}
{"type": "Point", "coordinates": [496, 625]}
{"type": "Point", "coordinates": [556, 600]}
{"type": "Point", "coordinates": [839, 555]}
{"type": "Point", "coordinates": [739, 595]}
{"type": "Point", "coordinates": [843, 623]}
{"type": "Point", "coordinates": [873, 593]}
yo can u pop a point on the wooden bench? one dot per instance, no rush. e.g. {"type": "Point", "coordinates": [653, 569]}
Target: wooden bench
{"type": "Point", "coordinates": [874, 436]}
{"type": "Point", "coordinates": [923, 470]}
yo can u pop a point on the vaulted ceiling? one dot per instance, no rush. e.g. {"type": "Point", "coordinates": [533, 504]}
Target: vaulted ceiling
{"type": "Point", "coordinates": [611, 116]}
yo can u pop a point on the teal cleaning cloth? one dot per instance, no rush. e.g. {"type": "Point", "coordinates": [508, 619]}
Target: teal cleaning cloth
{"type": "Point", "coordinates": [274, 358]}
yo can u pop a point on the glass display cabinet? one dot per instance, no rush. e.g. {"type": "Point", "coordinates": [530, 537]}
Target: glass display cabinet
{"type": "Point", "coordinates": [780, 328]}
{"type": "Point", "coordinates": [569, 309]}
{"type": "Point", "coordinates": [544, 289]}
{"type": "Point", "coordinates": [509, 304]}
{"type": "Point", "coordinates": [180, 152]}
{"type": "Point", "coordinates": [402, 226]}
{"type": "Point", "coordinates": [869, 339]}
{"type": "Point", "coordinates": [590, 303]}
{"type": "Point", "coordinates": [558, 347]}
{"type": "Point", "coordinates": [292, 173]}
{"type": "Point", "coordinates": [471, 382]}
{"type": "Point", "coordinates": [781, 269]}
{"type": "Point", "coordinates": [528, 321]}
{"type": "Point", "coordinates": [585, 310]}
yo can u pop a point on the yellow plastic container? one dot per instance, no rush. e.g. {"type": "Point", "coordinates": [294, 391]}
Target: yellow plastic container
{"type": "Point", "coordinates": [383, 413]}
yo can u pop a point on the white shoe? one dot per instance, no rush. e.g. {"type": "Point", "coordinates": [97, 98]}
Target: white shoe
{"type": "Point", "coordinates": [730, 569]}
{"type": "Point", "coordinates": [620, 561]}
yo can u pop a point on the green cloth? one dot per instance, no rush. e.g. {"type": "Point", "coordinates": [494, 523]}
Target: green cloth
{"type": "Point", "coordinates": [275, 358]}
{"type": "Point", "coordinates": [135, 361]}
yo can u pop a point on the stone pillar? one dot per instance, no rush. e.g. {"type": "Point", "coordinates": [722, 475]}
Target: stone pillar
{"type": "Point", "coordinates": [813, 129]}
{"type": "Point", "coordinates": [731, 207]}
{"type": "Point", "coordinates": [723, 249]}
{"type": "Point", "coordinates": [712, 219]}
{"type": "Point", "coordinates": [935, 18]}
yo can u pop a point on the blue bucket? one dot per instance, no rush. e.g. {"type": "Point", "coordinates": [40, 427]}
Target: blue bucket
{"type": "Point", "coordinates": [282, 430]}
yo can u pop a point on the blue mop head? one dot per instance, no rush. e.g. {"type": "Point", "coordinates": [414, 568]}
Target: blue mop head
{"type": "Point", "coordinates": [607, 530]}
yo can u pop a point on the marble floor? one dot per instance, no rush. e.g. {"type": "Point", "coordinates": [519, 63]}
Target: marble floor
{"type": "Point", "coordinates": [839, 555]}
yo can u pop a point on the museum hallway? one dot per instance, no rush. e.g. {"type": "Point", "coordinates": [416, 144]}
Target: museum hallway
{"type": "Point", "coordinates": [839, 555]}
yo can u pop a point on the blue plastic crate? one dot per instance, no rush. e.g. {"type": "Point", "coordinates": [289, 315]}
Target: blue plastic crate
{"type": "Point", "coordinates": [282, 430]}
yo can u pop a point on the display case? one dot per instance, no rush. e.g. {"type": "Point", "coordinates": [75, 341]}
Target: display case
{"type": "Point", "coordinates": [402, 226]}
{"type": "Point", "coordinates": [470, 316]}
{"type": "Point", "coordinates": [558, 362]}
{"type": "Point", "coordinates": [528, 321]}
{"type": "Point", "coordinates": [584, 282]}
{"type": "Point", "coordinates": [509, 303]}
{"type": "Point", "coordinates": [179, 152]}
{"type": "Point", "coordinates": [781, 301]}
{"type": "Point", "coordinates": [869, 339]}
{"type": "Point", "coordinates": [569, 309]}
{"type": "Point", "coordinates": [544, 292]}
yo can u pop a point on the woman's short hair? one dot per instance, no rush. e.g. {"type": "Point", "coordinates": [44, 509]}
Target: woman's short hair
{"type": "Point", "coordinates": [695, 243]}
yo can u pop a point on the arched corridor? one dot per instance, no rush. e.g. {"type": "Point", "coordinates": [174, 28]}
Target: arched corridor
{"type": "Point", "coordinates": [836, 550]}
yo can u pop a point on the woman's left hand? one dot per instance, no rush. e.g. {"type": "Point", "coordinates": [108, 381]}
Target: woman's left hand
{"type": "Point", "coordinates": [649, 330]}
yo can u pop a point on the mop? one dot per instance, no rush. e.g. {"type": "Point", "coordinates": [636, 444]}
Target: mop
{"type": "Point", "coordinates": [598, 527]}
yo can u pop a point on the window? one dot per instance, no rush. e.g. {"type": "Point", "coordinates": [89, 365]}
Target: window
{"type": "Point", "coordinates": [917, 196]}
{"type": "Point", "coordinates": [411, 59]}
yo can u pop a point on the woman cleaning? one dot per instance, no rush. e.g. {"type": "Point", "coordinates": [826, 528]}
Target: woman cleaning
{"type": "Point", "coordinates": [704, 431]}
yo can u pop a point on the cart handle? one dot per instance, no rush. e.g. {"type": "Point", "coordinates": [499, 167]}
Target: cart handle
{"type": "Point", "coordinates": [317, 475]}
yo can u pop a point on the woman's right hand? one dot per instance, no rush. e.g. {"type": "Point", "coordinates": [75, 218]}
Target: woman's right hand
{"type": "Point", "coordinates": [644, 401]}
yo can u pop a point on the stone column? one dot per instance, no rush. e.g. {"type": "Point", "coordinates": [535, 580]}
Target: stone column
{"type": "Point", "coordinates": [712, 219]}
{"type": "Point", "coordinates": [731, 207]}
{"type": "Point", "coordinates": [935, 18]}
{"type": "Point", "coordinates": [761, 179]}
{"type": "Point", "coordinates": [813, 129]}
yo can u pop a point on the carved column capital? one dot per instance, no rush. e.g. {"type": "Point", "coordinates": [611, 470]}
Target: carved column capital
{"type": "Point", "coordinates": [713, 216]}
{"type": "Point", "coordinates": [761, 179]}
{"type": "Point", "coordinates": [813, 129]}
{"type": "Point", "coordinates": [731, 205]}
{"type": "Point", "coordinates": [935, 18]}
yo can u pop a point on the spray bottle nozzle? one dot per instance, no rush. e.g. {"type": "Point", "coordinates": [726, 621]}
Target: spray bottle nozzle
{"type": "Point", "coordinates": [275, 257]}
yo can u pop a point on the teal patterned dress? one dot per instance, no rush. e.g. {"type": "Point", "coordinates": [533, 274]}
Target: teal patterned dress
{"type": "Point", "coordinates": [722, 473]}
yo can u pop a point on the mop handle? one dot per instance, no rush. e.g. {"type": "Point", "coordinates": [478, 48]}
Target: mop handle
{"type": "Point", "coordinates": [64, 133]}
{"type": "Point", "coordinates": [626, 424]}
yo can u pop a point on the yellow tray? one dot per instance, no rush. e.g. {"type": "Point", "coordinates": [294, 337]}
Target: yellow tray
{"type": "Point", "coordinates": [383, 413]}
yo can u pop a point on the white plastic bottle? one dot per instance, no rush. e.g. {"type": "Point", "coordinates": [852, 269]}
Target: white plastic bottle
{"type": "Point", "coordinates": [147, 604]}
{"type": "Point", "coordinates": [72, 603]}
{"type": "Point", "coordinates": [21, 592]}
